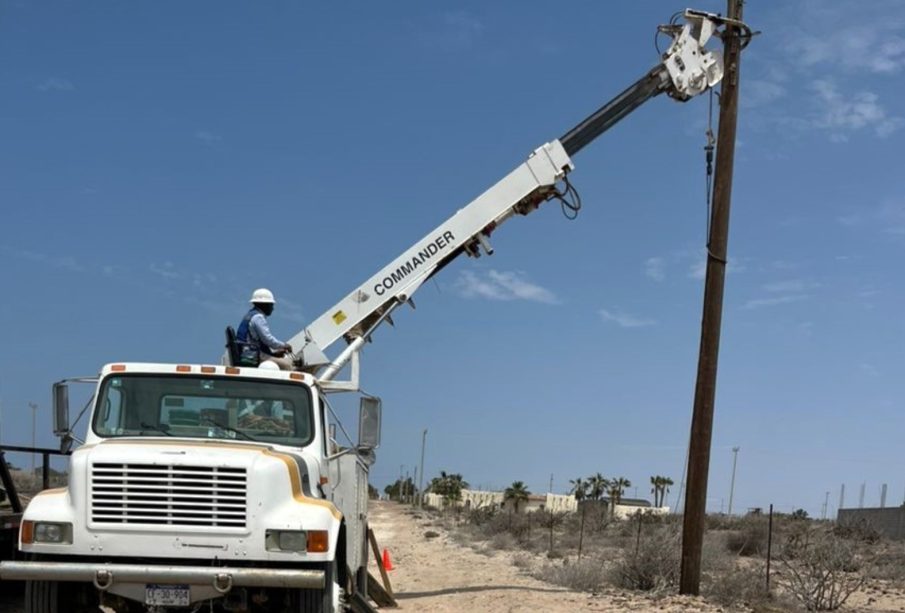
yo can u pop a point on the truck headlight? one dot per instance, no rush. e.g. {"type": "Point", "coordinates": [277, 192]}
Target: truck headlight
{"type": "Point", "coordinates": [52, 532]}
{"type": "Point", "coordinates": [314, 541]}
{"type": "Point", "coordinates": [286, 540]}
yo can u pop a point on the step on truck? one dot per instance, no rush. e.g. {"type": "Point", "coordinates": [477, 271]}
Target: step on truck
{"type": "Point", "coordinates": [220, 487]}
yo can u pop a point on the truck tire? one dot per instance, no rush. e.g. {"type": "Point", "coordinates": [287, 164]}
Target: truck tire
{"type": "Point", "coordinates": [321, 601]}
{"type": "Point", "coordinates": [43, 597]}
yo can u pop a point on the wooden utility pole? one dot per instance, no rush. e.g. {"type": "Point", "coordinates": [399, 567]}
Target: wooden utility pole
{"type": "Point", "coordinates": [717, 242]}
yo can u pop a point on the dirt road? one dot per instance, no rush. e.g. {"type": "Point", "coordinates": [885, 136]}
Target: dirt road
{"type": "Point", "coordinates": [438, 575]}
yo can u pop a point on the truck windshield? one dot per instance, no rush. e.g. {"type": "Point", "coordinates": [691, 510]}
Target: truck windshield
{"type": "Point", "coordinates": [204, 407]}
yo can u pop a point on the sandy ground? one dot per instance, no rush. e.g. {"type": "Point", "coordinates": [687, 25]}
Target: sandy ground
{"type": "Point", "coordinates": [437, 575]}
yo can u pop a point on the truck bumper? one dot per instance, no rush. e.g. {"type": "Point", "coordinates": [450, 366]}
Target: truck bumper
{"type": "Point", "coordinates": [106, 576]}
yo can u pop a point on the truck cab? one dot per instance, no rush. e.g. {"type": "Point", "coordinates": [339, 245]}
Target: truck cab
{"type": "Point", "coordinates": [201, 485]}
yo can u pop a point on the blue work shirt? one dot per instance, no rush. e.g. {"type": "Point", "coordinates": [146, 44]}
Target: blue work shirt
{"type": "Point", "coordinates": [259, 334]}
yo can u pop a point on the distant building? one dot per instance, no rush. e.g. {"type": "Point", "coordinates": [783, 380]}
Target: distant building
{"type": "Point", "coordinates": [628, 507]}
{"type": "Point", "coordinates": [888, 521]}
{"type": "Point", "coordinates": [476, 499]}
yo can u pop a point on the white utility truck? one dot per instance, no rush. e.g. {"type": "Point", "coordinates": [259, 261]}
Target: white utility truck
{"type": "Point", "coordinates": [220, 487]}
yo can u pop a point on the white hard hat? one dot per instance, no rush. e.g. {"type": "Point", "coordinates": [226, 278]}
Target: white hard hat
{"type": "Point", "coordinates": [262, 296]}
{"type": "Point", "coordinates": [269, 365]}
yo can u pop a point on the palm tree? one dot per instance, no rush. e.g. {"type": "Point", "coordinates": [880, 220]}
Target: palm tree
{"type": "Point", "coordinates": [616, 489]}
{"type": "Point", "coordinates": [579, 488]}
{"type": "Point", "coordinates": [665, 482]}
{"type": "Point", "coordinates": [661, 486]}
{"type": "Point", "coordinates": [655, 490]}
{"type": "Point", "coordinates": [517, 493]}
{"type": "Point", "coordinates": [597, 484]}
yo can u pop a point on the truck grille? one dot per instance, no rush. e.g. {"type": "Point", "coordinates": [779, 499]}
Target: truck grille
{"type": "Point", "coordinates": [148, 494]}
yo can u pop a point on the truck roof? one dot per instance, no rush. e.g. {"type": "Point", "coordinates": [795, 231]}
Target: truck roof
{"type": "Point", "coordinates": [207, 369]}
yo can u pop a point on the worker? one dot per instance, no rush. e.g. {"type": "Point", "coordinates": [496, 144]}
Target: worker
{"type": "Point", "coordinates": [259, 345]}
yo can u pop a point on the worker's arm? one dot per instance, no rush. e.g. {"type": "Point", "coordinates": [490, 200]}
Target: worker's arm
{"type": "Point", "coordinates": [261, 331]}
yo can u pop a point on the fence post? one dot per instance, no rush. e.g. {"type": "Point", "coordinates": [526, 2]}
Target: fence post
{"type": "Point", "coordinates": [581, 530]}
{"type": "Point", "coordinates": [551, 530]}
{"type": "Point", "coordinates": [638, 538]}
{"type": "Point", "coordinates": [769, 545]}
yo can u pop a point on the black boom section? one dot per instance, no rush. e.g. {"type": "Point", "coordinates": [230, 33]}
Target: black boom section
{"type": "Point", "coordinates": [612, 112]}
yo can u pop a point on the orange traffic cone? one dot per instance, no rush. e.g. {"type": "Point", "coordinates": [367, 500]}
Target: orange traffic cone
{"type": "Point", "coordinates": [387, 563]}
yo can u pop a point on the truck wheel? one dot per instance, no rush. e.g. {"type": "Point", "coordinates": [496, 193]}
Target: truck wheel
{"type": "Point", "coordinates": [42, 597]}
{"type": "Point", "coordinates": [321, 601]}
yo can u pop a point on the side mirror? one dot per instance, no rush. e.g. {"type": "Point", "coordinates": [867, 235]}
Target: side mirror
{"type": "Point", "coordinates": [60, 409]}
{"type": "Point", "coordinates": [66, 443]}
{"type": "Point", "coordinates": [369, 423]}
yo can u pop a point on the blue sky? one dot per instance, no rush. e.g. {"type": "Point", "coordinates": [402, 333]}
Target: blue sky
{"type": "Point", "coordinates": [159, 161]}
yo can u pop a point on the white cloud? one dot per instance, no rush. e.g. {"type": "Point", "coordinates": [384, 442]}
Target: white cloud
{"type": "Point", "coordinates": [761, 92]}
{"type": "Point", "coordinates": [167, 271]}
{"type": "Point", "coordinates": [625, 320]}
{"type": "Point", "coordinates": [877, 47]}
{"type": "Point", "coordinates": [506, 285]}
{"type": "Point", "coordinates": [849, 220]}
{"type": "Point", "coordinates": [462, 26]}
{"type": "Point", "coordinates": [453, 30]}
{"type": "Point", "coordinates": [758, 303]}
{"type": "Point", "coordinates": [892, 216]}
{"type": "Point", "coordinates": [653, 268]}
{"type": "Point", "coordinates": [843, 115]}
{"type": "Point", "coordinates": [784, 265]}
{"type": "Point", "coordinates": [66, 262]}
{"type": "Point", "coordinates": [869, 369]}
{"type": "Point", "coordinates": [55, 84]}
{"type": "Point", "coordinates": [817, 44]}
{"type": "Point", "coordinates": [207, 137]}
{"type": "Point", "coordinates": [889, 217]}
{"type": "Point", "coordinates": [793, 286]}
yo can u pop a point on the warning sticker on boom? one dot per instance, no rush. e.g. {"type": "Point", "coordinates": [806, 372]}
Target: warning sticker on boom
{"type": "Point", "coordinates": [339, 317]}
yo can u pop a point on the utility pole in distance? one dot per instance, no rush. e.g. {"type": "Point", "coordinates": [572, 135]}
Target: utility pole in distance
{"type": "Point", "coordinates": [421, 473]}
{"type": "Point", "coordinates": [732, 484]}
{"type": "Point", "coordinates": [717, 244]}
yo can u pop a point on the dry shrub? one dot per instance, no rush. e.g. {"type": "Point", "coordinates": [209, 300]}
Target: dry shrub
{"type": "Point", "coordinates": [431, 534]}
{"type": "Point", "coordinates": [736, 586]}
{"type": "Point", "coordinates": [890, 564]}
{"type": "Point", "coordinates": [586, 576]}
{"type": "Point", "coordinates": [749, 538]}
{"type": "Point", "coordinates": [503, 540]}
{"type": "Point", "coordinates": [821, 570]}
{"type": "Point", "coordinates": [523, 560]}
{"type": "Point", "coordinates": [859, 530]}
{"type": "Point", "coordinates": [597, 517]}
{"type": "Point", "coordinates": [650, 564]}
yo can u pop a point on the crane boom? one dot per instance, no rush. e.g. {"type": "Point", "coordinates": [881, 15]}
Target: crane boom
{"type": "Point", "coordinates": [687, 69]}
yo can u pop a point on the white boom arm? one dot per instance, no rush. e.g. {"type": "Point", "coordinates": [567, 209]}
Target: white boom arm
{"type": "Point", "coordinates": [687, 69]}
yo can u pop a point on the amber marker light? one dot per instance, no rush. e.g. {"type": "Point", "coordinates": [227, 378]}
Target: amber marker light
{"type": "Point", "coordinates": [297, 376]}
{"type": "Point", "coordinates": [183, 368]}
{"type": "Point", "coordinates": [232, 370]}
{"type": "Point", "coordinates": [318, 541]}
{"type": "Point", "coordinates": [27, 533]}
{"type": "Point", "coordinates": [208, 369]}
{"type": "Point", "coordinates": [118, 367]}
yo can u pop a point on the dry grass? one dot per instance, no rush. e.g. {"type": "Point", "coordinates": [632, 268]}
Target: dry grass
{"type": "Point", "coordinates": [644, 555]}
{"type": "Point", "coordinates": [652, 563]}
{"type": "Point", "coordinates": [585, 576]}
